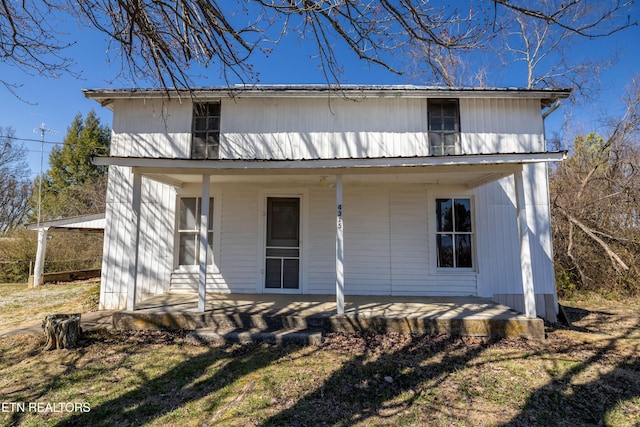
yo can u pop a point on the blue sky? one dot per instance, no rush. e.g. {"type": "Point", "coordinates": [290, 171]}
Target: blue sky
{"type": "Point", "coordinates": [55, 102]}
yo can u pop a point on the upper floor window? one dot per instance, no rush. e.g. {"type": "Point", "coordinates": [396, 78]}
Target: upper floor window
{"type": "Point", "coordinates": [454, 233]}
{"type": "Point", "coordinates": [444, 126]}
{"type": "Point", "coordinates": [205, 139]}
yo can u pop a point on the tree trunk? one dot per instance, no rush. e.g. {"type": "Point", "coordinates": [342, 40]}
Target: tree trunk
{"type": "Point", "coordinates": [61, 330]}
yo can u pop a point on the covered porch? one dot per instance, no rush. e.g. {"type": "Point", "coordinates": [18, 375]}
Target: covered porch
{"type": "Point", "coordinates": [468, 172]}
{"type": "Point", "coordinates": [265, 314]}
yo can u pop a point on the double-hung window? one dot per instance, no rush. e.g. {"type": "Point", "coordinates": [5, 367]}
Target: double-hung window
{"type": "Point", "coordinates": [444, 126]}
{"type": "Point", "coordinates": [189, 231]}
{"type": "Point", "coordinates": [454, 233]}
{"type": "Point", "coordinates": [205, 135]}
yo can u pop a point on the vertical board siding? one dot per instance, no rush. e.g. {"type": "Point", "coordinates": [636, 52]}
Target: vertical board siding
{"type": "Point", "coordinates": [274, 128]}
{"type": "Point", "coordinates": [117, 237]}
{"type": "Point", "coordinates": [151, 128]}
{"type": "Point", "coordinates": [498, 125]}
{"type": "Point", "coordinates": [157, 213]}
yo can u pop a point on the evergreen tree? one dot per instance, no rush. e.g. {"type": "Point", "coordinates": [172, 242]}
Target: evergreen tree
{"type": "Point", "coordinates": [73, 185]}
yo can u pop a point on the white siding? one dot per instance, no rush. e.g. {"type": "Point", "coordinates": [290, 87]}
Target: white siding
{"type": "Point", "coordinates": [367, 255]}
{"type": "Point", "coordinates": [497, 125]}
{"type": "Point", "coordinates": [300, 128]}
{"type": "Point", "coordinates": [321, 248]}
{"type": "Point", "coordinates": [389, 242]}
{"type": "Point", "coordinates": [151, 128]}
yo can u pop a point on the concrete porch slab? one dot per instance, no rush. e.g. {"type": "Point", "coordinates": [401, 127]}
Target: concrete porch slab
{"type": "Point", "coordinates": [460, 316]}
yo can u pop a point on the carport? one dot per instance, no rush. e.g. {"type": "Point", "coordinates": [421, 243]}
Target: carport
{"type": "Point", "coordinates": [93, 223]}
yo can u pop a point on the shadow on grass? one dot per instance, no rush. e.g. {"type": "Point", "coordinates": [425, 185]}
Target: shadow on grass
{"type": "Point", "coordinates": [570, 400]}
{"type": "Point", "coordinates": [179, 386]}
{"type": "Point", "coordinates": [381, 386]}
{"type": "Point", "coordinates": [400, 382]}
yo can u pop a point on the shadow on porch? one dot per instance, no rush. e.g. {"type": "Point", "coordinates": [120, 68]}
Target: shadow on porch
{"type": "Point", "coordinates": [275, 317]}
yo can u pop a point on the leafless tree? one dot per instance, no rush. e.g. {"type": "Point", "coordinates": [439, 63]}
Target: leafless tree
{"type": "Point", "coordinates": [535, 37]}
{"type": "Point", "coordinates": [596, 205]}
{"type": "Point", "coordinates": [15, 186]}
{"type": "Point", "coordinates": [163, 41]}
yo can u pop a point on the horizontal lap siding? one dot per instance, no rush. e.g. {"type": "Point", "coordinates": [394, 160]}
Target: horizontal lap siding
{"type": "Point", "coordinates": [366, 241]}
{"type": "Point", "coordinates": [409, 240]}
{"type": "Point", "coordinates": [321, 242]}
{"type": "Point", "coordinates": [239, 238]}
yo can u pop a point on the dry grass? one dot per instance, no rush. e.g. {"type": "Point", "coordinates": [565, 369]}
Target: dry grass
{"type": "Point", "coordinates": [585, 375]}
{"type": "Point", "coordinates": [20, 304]}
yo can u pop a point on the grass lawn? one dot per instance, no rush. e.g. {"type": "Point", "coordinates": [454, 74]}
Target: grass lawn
{"type": "Point", "coordinates": [585, 375]}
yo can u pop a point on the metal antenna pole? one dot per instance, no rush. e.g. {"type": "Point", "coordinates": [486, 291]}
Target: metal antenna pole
{"type": "Point", "coordinates": [38, 272]}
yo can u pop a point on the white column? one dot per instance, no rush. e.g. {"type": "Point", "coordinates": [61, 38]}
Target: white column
{"type": "Point", "coordinates": [38, 271]}
{"type": "Point", "coordinates": [339, 248]}
{"type": "Point", "coordinates": [135, 239]}
{"type": "Point", "coordinates": [525, 248]}
{"type": "Point", "coordinates": [204, 243]}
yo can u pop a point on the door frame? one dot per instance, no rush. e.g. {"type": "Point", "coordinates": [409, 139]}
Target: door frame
{"type": "Point", "coordinates": [263, 195]}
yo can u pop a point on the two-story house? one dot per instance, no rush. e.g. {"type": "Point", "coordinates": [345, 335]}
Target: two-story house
{"type": "Point", "coordinates": [357, 190]}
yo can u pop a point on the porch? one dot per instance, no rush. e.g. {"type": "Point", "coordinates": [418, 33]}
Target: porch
{"type": "Point", "coordinates": [276, 315]}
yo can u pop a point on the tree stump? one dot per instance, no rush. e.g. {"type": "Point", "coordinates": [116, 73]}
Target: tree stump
{"type": "Point", "coordinates": [61, 331]}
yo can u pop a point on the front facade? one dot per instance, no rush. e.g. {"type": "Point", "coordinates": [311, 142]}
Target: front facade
{"type": "Point", "coordinates": [385, 190]}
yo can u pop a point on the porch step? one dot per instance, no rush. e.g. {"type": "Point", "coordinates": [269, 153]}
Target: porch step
{"type": "Point", "coordinates": [251, 323]}
{"type": "Point", "coordinates": [280, 337]}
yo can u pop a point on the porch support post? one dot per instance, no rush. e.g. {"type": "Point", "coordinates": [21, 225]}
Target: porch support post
{"type": "Point", "coordinates": [204, 243]}
{"type": "Point", "coordinates": [38, 272]}
{"type": "Point", "coordinates": [135, 240]}
{"type": "Point", "coordinates": [339, 248]}
{"type": "Point", "coordinates": [525, 248]}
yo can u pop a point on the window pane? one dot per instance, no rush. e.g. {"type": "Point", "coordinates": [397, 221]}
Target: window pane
{"type": "Point", "coordinates": [199, 146]}
{"type": "Point", "coordinates": [283, 221]}
{"type": "Point", "coordinates": [449, 108]}
{"type": "Point", "coordinates": [187, 251]}
{"type": "Point", "coordinates": [445, 250]}
{"type": "Point", "coordinates": [444, 215]}
{"type": "Point", "coordinates": [463, 215]}
{"type": "Point", "coordinates": [435, 144]}
{"type": "Point", "coordinates": [200, 124]}
{"type": "Point", "coordinates": [290, 276]}
{"type": "Point", "coordinates": [213, 109]}
{"type": "Point", "coordinates": [188, 214]}
{"type": "Point", "coordinates": [210, 227]}
{"type": "Point", "coordinates": [272, 273]}
{"type": "Point", "coordinates": [463, 251]}
{"type": "Point", "coordinates": [449, 123]}
{"type": "Point", "coordinates": [435, 122]}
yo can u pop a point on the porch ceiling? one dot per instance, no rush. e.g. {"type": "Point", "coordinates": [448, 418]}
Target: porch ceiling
{"type": "Point", "coordinates": [468, 170]}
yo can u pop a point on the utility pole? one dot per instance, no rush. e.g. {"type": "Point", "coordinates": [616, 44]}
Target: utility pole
{"type": "Point", "coordinates": [38, 272]}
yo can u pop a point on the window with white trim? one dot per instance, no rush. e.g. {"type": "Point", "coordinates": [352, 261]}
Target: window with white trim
{"type": "Point", "coordinates": [454, 233]}
{"type": "Point", "coordinates": [444, 126]}
{"type": "Point", "coordinates": [189, 231]}
{"type": "Point", "coordinates": [205, 131]}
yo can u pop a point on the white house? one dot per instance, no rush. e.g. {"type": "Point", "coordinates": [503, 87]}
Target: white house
{"type": "Point", "coordinates": [357, 190]}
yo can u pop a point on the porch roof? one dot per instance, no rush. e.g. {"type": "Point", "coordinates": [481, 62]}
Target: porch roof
{"type": "Point", "coordinates": [470, 170]}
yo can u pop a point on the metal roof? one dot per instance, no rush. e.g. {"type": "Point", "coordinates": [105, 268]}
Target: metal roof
{"type": "Point", "coordinates": [105, 96]}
